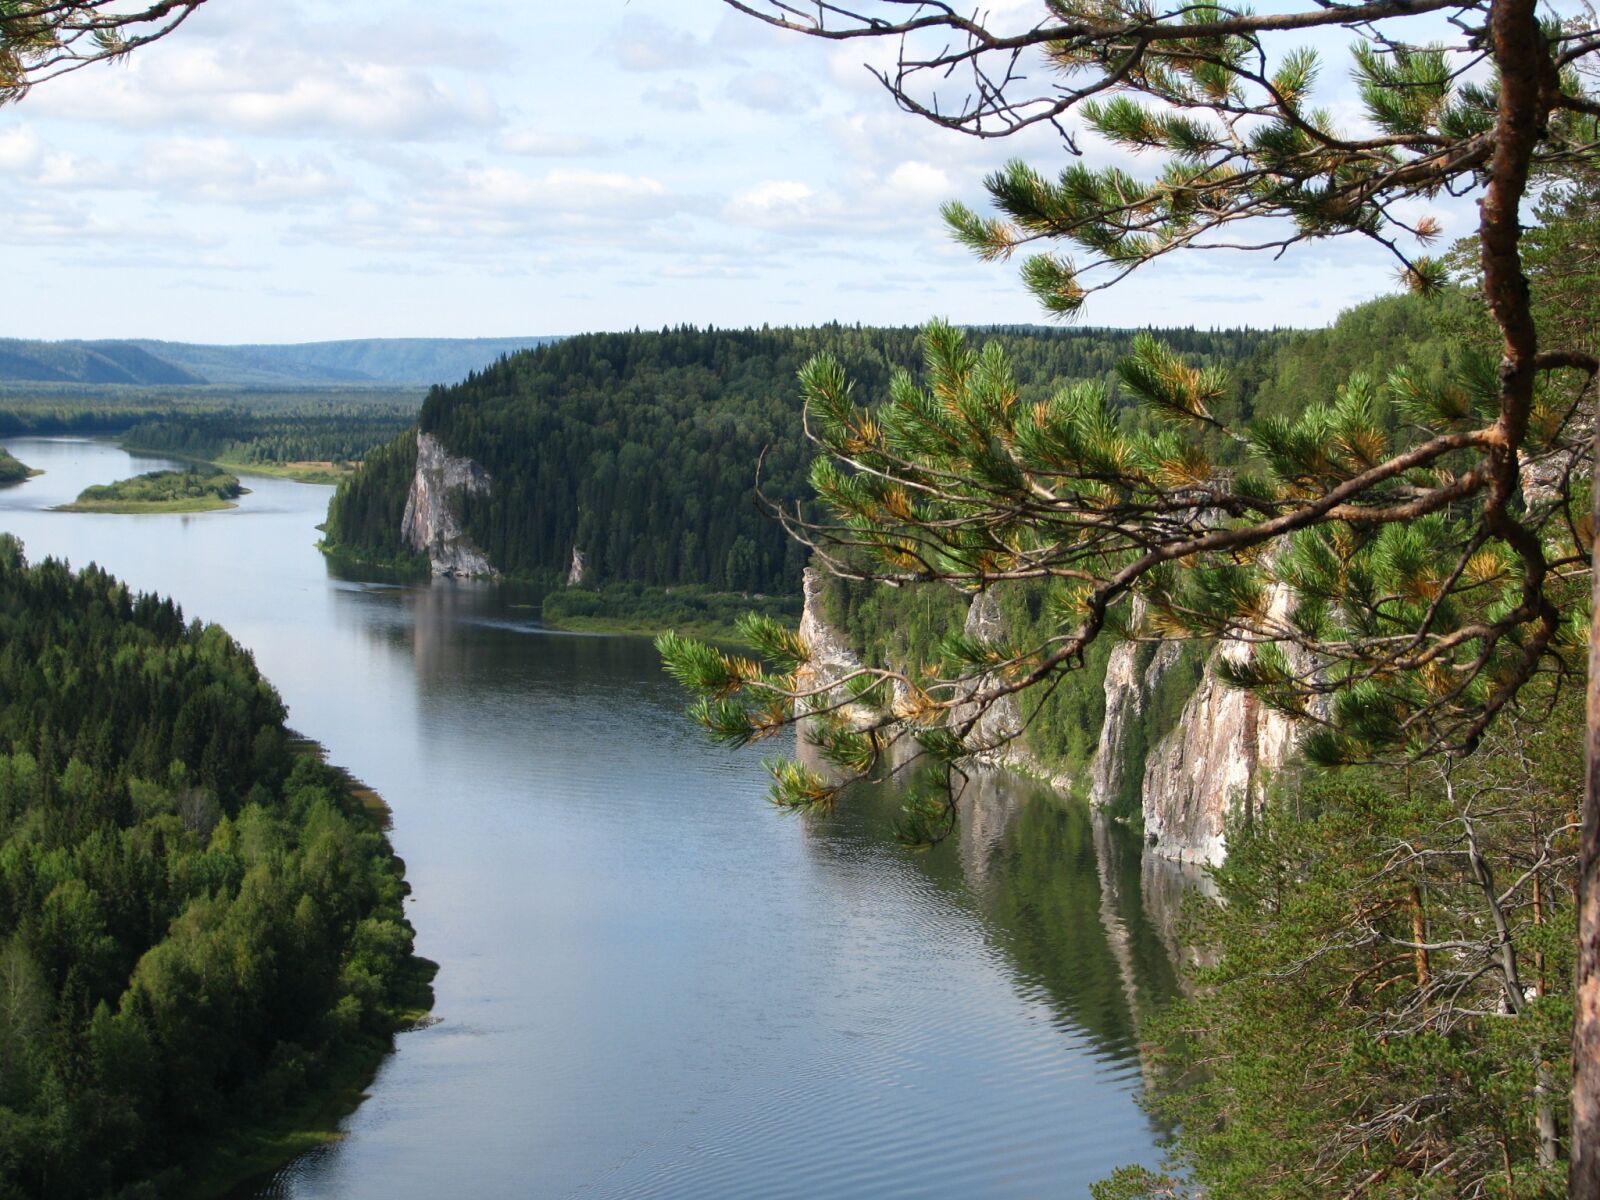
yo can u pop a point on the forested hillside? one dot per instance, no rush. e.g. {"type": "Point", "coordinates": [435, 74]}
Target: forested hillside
{"type": "Point", "coordinates": [642, 449]}
{"type": "Point", "coordinates": [87, 362]}
{"type": "Point", "coordinates": [361, 361]}
{"type": "Point", "coordinates": [199, 922]}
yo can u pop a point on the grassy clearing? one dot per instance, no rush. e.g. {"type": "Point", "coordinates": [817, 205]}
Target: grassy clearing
{"type": "Point", "coordinates": [633, 609]}
{"type": "Point", "coordinates": [12, 471]}
{"type": "Point", "coordinates": [301, 472]}
{"type": "Point", "coordinates": [161, 492]}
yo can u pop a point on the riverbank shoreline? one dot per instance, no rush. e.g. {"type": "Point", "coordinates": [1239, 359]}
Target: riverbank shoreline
{"type": "Point", "coordinates": [621, 609]}
{"type": "Point", "coordinates": [202, 504]}
{"type": "Point", "coordinates": [239, 1163]}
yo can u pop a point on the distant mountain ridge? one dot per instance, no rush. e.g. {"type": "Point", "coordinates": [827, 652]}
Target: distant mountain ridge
{"type": "Point", "coordinates": [354, 362]}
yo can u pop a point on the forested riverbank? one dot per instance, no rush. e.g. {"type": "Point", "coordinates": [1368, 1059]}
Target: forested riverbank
{"type": "Point", "coordinates": [201, 932]}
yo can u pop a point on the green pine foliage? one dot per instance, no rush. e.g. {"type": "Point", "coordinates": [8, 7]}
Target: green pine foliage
{"type": "Point", "coordinates": [1153, 423]}
{"type": "Point", "coordinates": [643, 449]}
{"type": "Point", "coordinates": [198, 921]}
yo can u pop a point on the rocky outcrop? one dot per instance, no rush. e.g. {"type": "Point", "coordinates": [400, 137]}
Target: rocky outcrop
{"type": "Point", "coordinates": [831, 658]}
{"type": "Point", "coordinates": [1128, 692]}
{"type": "Point", "coordinates": [1214, 766]}
{"type": "Point", "coordinates": [431, 523]}
{"type": "Point", "coordinates": [993, 737]}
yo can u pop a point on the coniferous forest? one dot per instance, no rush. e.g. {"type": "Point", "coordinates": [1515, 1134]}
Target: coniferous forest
{"type": "Point", "coordinates": [199, 921]}
{"type": "Point", "coordinates": [643, 449]}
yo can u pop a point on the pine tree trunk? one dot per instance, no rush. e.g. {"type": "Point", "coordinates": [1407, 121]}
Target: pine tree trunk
{"type": "Point", "coordinates": [1583, 1182]}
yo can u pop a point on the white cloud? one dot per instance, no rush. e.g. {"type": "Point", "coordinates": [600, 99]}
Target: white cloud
{"type": "Point", "coordinates": [646, 44]}
{"type": "Point", "coordinates": [921, 180]}
{"type": "Point", "coordinates": [678, 96]}
{"type": "Point", "coordinates": [20, 149]}
{"type": "Point", "coordinates": [219, 171]}
{"type": "Point", "coordinates": [786, 206]}
{"type": "Point", "coordinates": [293, 94]}
{"type": "Point", "coordinates": [562, 189]}
{"type": "Point", "coordinates": [772, 92]}
{"type": "Point", "coordinates": [537, 143]}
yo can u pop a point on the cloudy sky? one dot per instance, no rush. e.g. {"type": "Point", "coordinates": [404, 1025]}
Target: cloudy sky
{"type": "Point", "coordinates": [285, 171]}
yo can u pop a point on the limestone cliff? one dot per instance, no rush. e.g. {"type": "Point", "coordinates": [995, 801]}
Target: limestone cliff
{"type": "Point", "coordinates": [1212, 765]}
{"type": "Point", "coordinates": [578, 572]}
{"type": "Point", "coordinates": [1215, 765]}
{"type": "Point", "coordinates": [993, 737]}
{"type": "Point", "coordinates": [831, 657]}
{"type": "Point", "coordinates": [431, 523]}
{"type": "Point", "coordinates": [1128, 691]}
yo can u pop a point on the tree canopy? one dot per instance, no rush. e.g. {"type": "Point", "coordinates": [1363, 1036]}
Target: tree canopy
{"type": "Point", "coordinates": [199, 920]}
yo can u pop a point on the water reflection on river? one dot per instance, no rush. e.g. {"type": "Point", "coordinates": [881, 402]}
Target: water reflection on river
{"type": "Point", "coordinates": [652, 984]}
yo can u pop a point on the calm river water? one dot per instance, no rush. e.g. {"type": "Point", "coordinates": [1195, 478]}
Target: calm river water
{"type": "Point", "coordinates": [651, 983]}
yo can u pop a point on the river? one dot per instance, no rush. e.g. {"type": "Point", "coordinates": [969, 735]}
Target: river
{"type": "Point", "coordinates": [652, 983]}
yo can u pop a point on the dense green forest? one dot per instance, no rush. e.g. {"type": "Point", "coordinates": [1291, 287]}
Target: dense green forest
{"type": "Point", "coordinates": [39, 409]}
{"type": "Point", "coordinates": [161, 491]}
{"type": "Point", "coordinates": [311, 434]}
{"type": "Point", "coordinates": [642, 448]}
{"type": "Point", "coordinates": [1320, 1054]}
{"type": "Point", "coordinates": [198, 922]}
{"type": "Point", "coordinates": [11, 471]}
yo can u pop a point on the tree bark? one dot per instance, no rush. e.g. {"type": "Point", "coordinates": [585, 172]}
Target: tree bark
{"type": "Point", "coordinates": [1583, 1180]}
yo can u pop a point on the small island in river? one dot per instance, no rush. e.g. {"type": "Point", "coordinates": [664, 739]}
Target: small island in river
{"type": "Point", "coordinates": [12, 471]}
{"type": "Point", "coordinates": [200, 489]}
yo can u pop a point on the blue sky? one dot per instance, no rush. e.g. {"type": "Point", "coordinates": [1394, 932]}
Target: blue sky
{"type": "Point", "coordinates": [282, 171]}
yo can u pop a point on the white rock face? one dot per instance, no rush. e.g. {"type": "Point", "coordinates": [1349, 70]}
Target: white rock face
{"type": "Point", "coordinates": [993, 737]}
{"type": "Point", "coordinates": [430, 523]}
{"type": "Point", "coordinates": [1214, 763]}
{"type": "Point", "coordinates": [831, 656]}
{"type": "Point", "coordinates": [1128, 692]}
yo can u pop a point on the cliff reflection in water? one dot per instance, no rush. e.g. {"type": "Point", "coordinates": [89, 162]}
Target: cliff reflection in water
{"type": "Point", "coordinates": [1087, 922]}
